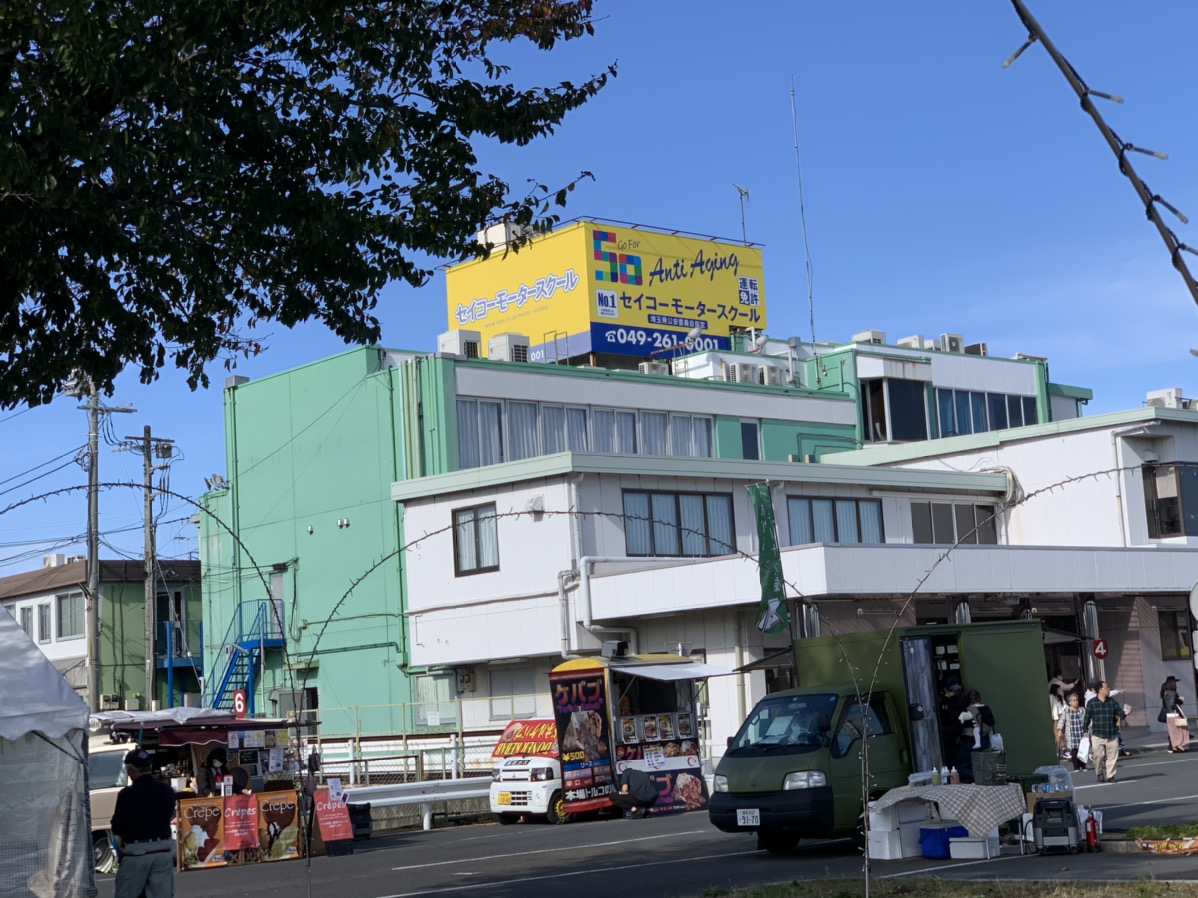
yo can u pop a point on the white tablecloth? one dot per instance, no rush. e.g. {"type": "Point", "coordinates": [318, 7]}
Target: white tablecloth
{"type": "Point", "coordinates": [979, 808]}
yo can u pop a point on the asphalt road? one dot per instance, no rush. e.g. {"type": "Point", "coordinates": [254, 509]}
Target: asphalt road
{"type": "Point", "coordinates": [683, 855]}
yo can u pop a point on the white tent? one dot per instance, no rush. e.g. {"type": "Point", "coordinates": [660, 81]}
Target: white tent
{"type": "Point", "coordinates": [45, 832]}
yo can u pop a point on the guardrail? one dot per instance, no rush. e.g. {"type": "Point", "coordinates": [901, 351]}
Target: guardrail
{"type": "Point", "coordinates": [423, 794]}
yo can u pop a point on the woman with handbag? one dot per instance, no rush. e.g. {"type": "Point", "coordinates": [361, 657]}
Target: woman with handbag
{"type": "Point", "coordinates": [1172, 715]}
{"type": "Point", "coordinates": [1072, 729]}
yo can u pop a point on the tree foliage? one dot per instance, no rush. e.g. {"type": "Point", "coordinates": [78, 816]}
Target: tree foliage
{"type": "Point", "coordinates": [175, 172]}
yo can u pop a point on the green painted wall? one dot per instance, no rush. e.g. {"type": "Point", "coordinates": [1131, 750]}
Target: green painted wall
{"type": "Point", "coordinates": [307, 449]}
{"type": "Point", "coordinates": [122, 643]}
{"type": "Point", "coordinates": [728, 442]}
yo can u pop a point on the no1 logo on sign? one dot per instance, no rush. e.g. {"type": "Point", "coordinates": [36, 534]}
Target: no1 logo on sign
{"type": "Point", "coordinates": [239, 703]}
{"type": "Point", "coordinates": [1100, 649]}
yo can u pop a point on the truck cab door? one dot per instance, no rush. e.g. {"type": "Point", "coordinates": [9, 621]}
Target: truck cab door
{"type": "Point", "coordinates": [860, 720]}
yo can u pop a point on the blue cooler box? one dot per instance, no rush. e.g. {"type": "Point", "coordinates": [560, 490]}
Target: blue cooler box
{"type": "Point", "coordinates": [934, 840]}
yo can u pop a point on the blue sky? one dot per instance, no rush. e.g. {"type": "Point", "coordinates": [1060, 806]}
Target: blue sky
{"type": "Point", "coordinates": [942, 193]}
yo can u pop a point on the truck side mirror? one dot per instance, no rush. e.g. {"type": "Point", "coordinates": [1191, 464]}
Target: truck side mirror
{"type": "Point", "coordinates": [729, 741]}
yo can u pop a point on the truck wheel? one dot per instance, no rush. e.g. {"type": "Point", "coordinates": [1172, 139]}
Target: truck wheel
{"type": "Point", "coordinates": [776, 841]}
{"type": "Point", "coordinates": [557, 813]}
{"type": "Point", "coordinates": [103, 853]}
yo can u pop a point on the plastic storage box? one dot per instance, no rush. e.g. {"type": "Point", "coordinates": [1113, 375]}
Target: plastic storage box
{"type": "Point", "coordinates": [935, 840]}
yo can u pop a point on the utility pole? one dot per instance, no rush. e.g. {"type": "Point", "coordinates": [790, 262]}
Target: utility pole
{"type": "Point", "coordinates": [148, 445]}
{"type": "Point", "coordinates": [93, 548]}
{"type": "Point", "coordinates": [81, 383]}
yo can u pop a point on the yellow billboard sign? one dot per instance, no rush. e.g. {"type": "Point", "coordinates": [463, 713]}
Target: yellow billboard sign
{"type": "Point", "coordinates": [605, 289]}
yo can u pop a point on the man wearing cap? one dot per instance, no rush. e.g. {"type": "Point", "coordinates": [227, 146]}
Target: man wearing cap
{"type": "Point", "coordinates": [141, 823]}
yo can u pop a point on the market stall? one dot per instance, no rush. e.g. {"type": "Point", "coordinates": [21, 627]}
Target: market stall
{"type": "Point", "coordinates": [637, 711]}
{"type": "Point", "coordinates": [255, 813]}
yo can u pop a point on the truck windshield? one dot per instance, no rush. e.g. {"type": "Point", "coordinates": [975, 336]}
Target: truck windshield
{"type": "Point", "coordinates": [786, 723]}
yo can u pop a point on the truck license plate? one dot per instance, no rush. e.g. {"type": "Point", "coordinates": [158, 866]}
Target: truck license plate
{"type": "Point", "coordinates": [505, 797]}
{"type": "Point", "coordinates": [748, 817]}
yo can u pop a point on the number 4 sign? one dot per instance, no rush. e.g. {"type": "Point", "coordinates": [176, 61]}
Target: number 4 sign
{"type": "Point", "coordinates": [1100, 649]}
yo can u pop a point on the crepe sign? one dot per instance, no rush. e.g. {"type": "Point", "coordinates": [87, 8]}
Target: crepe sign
{"type": "Point", "coordinates": [241, 822]}
{"type": "Point", "coordinates": [278, 826]}
{"type": "Point", "coordinates": [584, 740]}
{"type": "Point", "coordinates": [201, 833]}
{"type": "Point", "coordinates": [537, 738]}
{"type": "Point", "coordinates": [333, 817]}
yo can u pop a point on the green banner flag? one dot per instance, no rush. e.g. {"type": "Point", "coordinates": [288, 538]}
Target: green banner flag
{"type": "Point", "coordinates": [772, 616]}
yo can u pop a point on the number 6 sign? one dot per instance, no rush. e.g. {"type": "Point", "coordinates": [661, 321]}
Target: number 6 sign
{"type": "Point", "coordinates": [239, 701]}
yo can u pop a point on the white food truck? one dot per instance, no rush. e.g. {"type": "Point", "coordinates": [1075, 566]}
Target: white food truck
{"type": "Point", "coordinates": [527, 779]}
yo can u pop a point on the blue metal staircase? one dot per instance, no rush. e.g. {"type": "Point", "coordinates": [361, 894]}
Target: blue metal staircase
{"type": "Point", "coordinates": [256, 627]}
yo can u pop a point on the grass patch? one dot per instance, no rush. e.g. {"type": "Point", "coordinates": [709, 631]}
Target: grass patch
{"type": "Point", "coordinates": [1164, 831]}
{"type": "Point", "coordinates": [947, 888]}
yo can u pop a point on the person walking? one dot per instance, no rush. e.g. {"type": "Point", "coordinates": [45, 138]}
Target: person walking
{"type": "Point", "coordinates": [1103, 716]}
{"type": "Point", "coordinates": [1071, 728]}
{"type": "Point", "coordinates": [141, 823]}
{"type": "Point", "coordinates": [1056, 704]}
{"type": "Point", "coordinates": [1174, 717]}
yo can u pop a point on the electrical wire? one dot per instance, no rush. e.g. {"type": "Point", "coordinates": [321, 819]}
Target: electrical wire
{"type": "Point", "coordinates": [71, 452]}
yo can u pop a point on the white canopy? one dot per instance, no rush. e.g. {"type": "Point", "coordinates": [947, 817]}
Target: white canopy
{"type": "Point", "coordinates": [34, 697]}
{"type": "Point", "coordinates": [152, 719]}
{"type": "Point", "coordinates": [685, 670]}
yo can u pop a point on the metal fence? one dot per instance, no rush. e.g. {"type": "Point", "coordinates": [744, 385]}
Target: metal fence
{"type": "Point", "coordinates": [461, 716]}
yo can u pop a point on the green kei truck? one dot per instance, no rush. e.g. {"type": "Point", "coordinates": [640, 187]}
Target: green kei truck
{"type": "Point", "coordinates": [793, 769]}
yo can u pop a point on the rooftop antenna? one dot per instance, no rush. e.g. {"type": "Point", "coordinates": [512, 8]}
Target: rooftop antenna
{"type": "Point", "coordinates": [794, 119]}
{"type": "Point", "coordinates": [744, 195]}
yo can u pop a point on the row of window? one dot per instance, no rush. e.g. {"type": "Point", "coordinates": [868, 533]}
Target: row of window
{"type": "Point", "coordinates": [700, 525]}
{"type": "Point", "coordinates": [1171, 497]}
{"type": "Point", "coordinates": [896, 410]}
{"type": "Point", "coordinates": [69, 619]}
{"type": "Point", "coordinates": [963, 412]}
{"type": "Point", "coordinates": [490, 431]}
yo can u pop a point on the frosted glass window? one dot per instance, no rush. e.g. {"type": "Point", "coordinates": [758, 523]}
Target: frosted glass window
{"type": "Point", "coordinates": [799, 512]}
{"type": "Point", "coordinates": [553, 429]}
{"type": "Point", "coordinates": [604, 421]}
{"type": "Point", "coordinates": [664, 508]}
{"type": "Point", "coordinates": [680, 435]}
{"type": "Point", "coordinates": [653, 432]}
{"type": "Point", "coordinates": [824, 523]}
{"type": "Point", "coordinates": [576, 429]}
{"type": "Point", "coordinates": [846, 522]}
{"type": "Point", "coordinates": [638, 536]}
{"type": "Point", "coordinates": [468, 449]}
{"type": "Point", "coordinates": [626, 432]}
{"type": "Point", "coordinates": [490, 433]}
{"type": "Point", "coordinates": [962, 419]}
{"type": "Point", "coordinates": [702, 435]}
{"type": "Point", "coordinates": [871, 521]}
{"type": "Point", "coordinates": [522, 429]}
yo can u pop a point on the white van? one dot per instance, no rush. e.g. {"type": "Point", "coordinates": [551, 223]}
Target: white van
{"type": "Point", "coordinates": [527, 779]}
{"type": "Point", "coordinates": [105, 778]}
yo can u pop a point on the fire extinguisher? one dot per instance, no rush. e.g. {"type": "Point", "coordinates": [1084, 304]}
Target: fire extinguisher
{"type": "Point", "coordinates": [1092, 833]}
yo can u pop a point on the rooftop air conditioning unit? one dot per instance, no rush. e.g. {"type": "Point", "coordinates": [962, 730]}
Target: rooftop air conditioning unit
{"type": "Point", "coordinates": [977, 349]}
{"type": "Point", "coordinates": [110, 701]}
{"type": "Point", "coordinates": [870, 336]}
{"type": "Point", "coordinates": [500, 235]}
{"type": "Point", "coordinates": [952, 343]}
{"type": "Point", "coordinates": [1170, 398]}
{"type": "Point", "coordinates": [53, 560]}
{"type": "Point", "coordinates": [463, 343]}
{"type": "Point", "coordinates": [661, 369]}
{"type": "Point", "coordinates": [772, 375]}
{"type": "Point", "coordinates": [508, 348]}
{"type": "Point", "coordinates": [744, 373]}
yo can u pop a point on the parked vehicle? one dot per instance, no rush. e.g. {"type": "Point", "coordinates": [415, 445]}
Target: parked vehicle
{"type": "Point", "coordinates": [105, 777]}
{"type": "Point", "coordinates": [527, 781]}
{"type": "Point", "coordinates": [793, 770]}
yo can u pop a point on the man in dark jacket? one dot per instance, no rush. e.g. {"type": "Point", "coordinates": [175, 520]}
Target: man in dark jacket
{"type": "Point", "coordinates": [637, 792]}
{"type": "Point", "coordinates": [141, 822]}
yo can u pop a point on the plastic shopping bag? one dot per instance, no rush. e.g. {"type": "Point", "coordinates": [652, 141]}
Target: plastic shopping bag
{"type": "Point", "coordinates": [1083, 750]}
